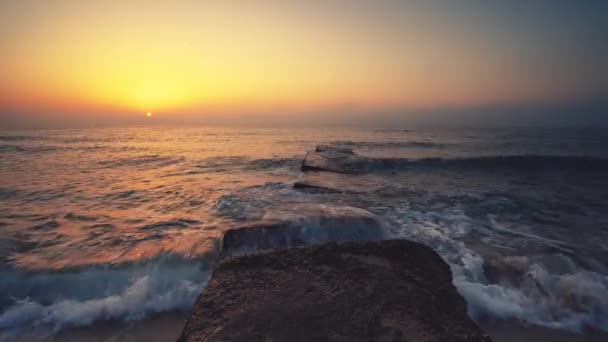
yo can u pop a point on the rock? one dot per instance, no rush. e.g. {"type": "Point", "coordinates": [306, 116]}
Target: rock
{"type": "Point", "coordinates": [510, 269]}
{"type": "Point", "coordinates": [343, 160]}
{"type": "Point", "coordinates": [328, 158]}
{"type": "Point", "coordinates": [393, 290]}
{"type": "Point", "coordinates": [302, 225]}
{"type": "Point", "coordinates": [337, 182]}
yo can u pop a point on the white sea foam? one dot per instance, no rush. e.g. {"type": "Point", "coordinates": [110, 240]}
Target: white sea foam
{"type": "Point", "coordinates": [572, 301]}
{"type": "Point", "coordinates": [562, 297]}
{"type": "Point", "coordinates": [58, 300]}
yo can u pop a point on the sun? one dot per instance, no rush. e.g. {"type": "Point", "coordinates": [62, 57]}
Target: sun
{"type": "Point", "coordinates": [148, 114]}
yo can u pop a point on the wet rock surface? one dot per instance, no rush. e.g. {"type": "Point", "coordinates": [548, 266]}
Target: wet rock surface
{"type": "Point", "coordinates": [334, 169]}
{"type": "Point", "coordinates": [337, 182]}
{"type": "Point", "coordinates": [302, 225]}
{"type": "Point", "coordinates": [331, 159]}
{"type": "Point", "coordinates": [393, 290]}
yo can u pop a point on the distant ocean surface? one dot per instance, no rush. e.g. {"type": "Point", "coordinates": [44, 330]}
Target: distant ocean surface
{"type": "Point", "coordinates": [100, 225]}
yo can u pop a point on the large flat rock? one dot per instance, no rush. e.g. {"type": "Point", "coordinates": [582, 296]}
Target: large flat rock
{"type": "Point", "coordinates": [393, 290]}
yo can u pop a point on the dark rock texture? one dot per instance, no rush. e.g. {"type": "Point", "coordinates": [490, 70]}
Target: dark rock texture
{"type": "Point", "coordinates": [393, 290]}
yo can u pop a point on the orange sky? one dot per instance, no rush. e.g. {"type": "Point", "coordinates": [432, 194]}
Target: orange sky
{"type": "Point", "coordinates": [240, 56]}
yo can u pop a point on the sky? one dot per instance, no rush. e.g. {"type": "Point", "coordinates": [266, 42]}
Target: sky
{"type": "Point", "coordinates": [64, 62]}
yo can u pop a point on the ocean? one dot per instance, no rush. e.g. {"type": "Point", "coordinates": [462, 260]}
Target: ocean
{"type": "Point", "coordinates": [105, 232]}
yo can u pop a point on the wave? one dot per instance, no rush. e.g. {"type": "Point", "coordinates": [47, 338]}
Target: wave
{"type": "Point", "coordinates": [54, 148]}
{"type": "Point", "coordinates": [222, 164]}
{"type": "Point", "coordinates": [237, 164]}
{"type": "Point", "coordinates": [80, 296]}
{"type": "Point", "coordinates": [28, 148]}
{"type": "Point", "coordinates": [341, 158]}
{"type": "Point", "coordinates": [8, 193]}
{"type": "Point", "coordinates": [519, 287]}
{"type": "Point", "coordinates": [34, 195]}
{"type": "Point", "coordinates": [549, 290]}
{"type": "Point", "coordinates": [517, 161]}
{"type": "Point", "coordinates": [59, 138]}
{"type": "Point", "coordinates": [177, 223]}
{"type": "Point", "coordinates": [392, 130]}
{"type": "Point", "coordinates": [53, 301]}
{"type": "Point", "coordinates": [274, 163]}
{"type": "Point", "coordinates": [153, 161]}
{"type": "Point", "coordinates": [19, 137]}
{"type": "Point", "coordinates": [303, 225]}
{"type": "Point", "coordinates": [7, 148]}
{"type": "Point", "coordinates": [388, 144]}
{"type": "Point", "coordinates": [571, 301]}
{"type": "Point", "coordinates": [511, 162]}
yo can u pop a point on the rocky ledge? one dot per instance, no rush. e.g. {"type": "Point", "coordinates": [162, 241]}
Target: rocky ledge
{"type": "Point", "coordinates": [393, 290]}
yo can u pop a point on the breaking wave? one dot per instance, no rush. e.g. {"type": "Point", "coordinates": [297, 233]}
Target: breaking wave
{"type": "Point", "coordinates": [550, 290]}
{"type": "Point", "coordinates": [573, 301]}
{"type": "Point", "coordinates": [69, 299]}
{"type": "Point", "coordinates": [88, 176]}
{"type": "Point", "coordinates": [304, 225]}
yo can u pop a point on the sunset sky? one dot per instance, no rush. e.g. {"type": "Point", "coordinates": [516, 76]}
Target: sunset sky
{"type": "Point", "coordinates": [70, 60]}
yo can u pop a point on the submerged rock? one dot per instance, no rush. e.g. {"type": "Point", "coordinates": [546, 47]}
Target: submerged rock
{"type": "Point", "coordinates": [510, 269]}
{"type": "Point", "coordinates": [302, 225]}
{"type": "Point", "coordinates": [339, 169]}
{"type": "Point", "coordinates": [340, 159]}
{"type": "Point", "coordinates": [336, 182]}
{"type": "Point", "coordinates": [393, 290]}
{"type": "Point", "coordinates": [329, 158]}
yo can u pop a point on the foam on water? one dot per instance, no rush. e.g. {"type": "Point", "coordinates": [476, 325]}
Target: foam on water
{"type": "Point", "coordinates": [52, 301]}
{"type": "Point", "coordinates": [551, 291]}
{"type": "Point", "coordinates": [304, 225]}
{"type": "Point", "coordinates": [520, 215]}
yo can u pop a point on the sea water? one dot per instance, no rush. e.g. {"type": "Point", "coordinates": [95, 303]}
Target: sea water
{"type": "Point", "coordinates": [122, 225]}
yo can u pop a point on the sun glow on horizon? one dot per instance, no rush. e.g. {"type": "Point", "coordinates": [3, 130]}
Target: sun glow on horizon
{"type": "Point", "coordinates": [204, 57]}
